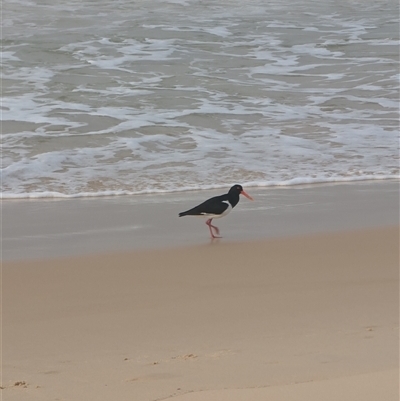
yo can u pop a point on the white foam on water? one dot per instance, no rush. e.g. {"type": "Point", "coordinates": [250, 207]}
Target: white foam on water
{"type": "Point", "coordinates": [123, 101]}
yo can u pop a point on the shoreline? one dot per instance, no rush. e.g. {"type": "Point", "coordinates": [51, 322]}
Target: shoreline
{"type": "Point", "coordinates": [108, 194]}
{"type": "Point", "coordinates": [51, 228]}
{"type": "Point", "coordinates": [235, 321]}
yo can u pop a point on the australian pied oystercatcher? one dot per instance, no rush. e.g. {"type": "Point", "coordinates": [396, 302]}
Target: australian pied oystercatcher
{"type": "Point", "coordinates": [216, 207]}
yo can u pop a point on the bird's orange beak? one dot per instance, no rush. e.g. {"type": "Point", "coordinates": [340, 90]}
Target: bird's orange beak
{"type": "Point", "coordinates": [246, 195]}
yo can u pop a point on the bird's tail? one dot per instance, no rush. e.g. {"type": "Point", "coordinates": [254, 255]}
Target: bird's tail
{"type": "Point", "coordinates": [182, 214]}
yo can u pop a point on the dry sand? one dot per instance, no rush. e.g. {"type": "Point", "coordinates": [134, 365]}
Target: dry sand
{"type": "Point", "coordinates": [302, 318]}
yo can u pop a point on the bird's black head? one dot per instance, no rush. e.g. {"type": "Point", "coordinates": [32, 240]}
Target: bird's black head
{"type": "Point", "coordinates": [237, 190]}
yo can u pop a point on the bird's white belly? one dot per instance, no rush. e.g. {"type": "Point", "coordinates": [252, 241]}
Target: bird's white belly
{"type": "Point", "coordinates": [217, 216]}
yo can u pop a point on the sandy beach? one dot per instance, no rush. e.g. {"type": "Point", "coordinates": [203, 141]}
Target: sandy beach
{"type": "Point", "coordinates": [119, 116]}
{"type": "Point", "coordinates": [298, 317]}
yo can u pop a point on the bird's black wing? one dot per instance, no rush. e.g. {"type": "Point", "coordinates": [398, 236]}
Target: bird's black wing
{"type": "Point", "coordinates": [216, 205]}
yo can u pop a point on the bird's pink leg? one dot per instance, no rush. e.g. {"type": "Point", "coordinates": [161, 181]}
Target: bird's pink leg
{"type": "Point", "coordinates": [208, 222]}
{"type": "Point", "coordinates": [215, 228]}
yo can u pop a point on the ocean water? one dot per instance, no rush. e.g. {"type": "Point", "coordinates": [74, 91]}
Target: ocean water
{"type": "Point", "coordinates": [133, 96]}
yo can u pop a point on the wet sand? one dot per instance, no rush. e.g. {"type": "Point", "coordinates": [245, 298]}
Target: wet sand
{"type": "Point", "coordinates": [64, 227]}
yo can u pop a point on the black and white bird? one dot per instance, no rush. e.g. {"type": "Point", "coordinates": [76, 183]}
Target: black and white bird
{"type": "Point", "coordinates": [216, 207]}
